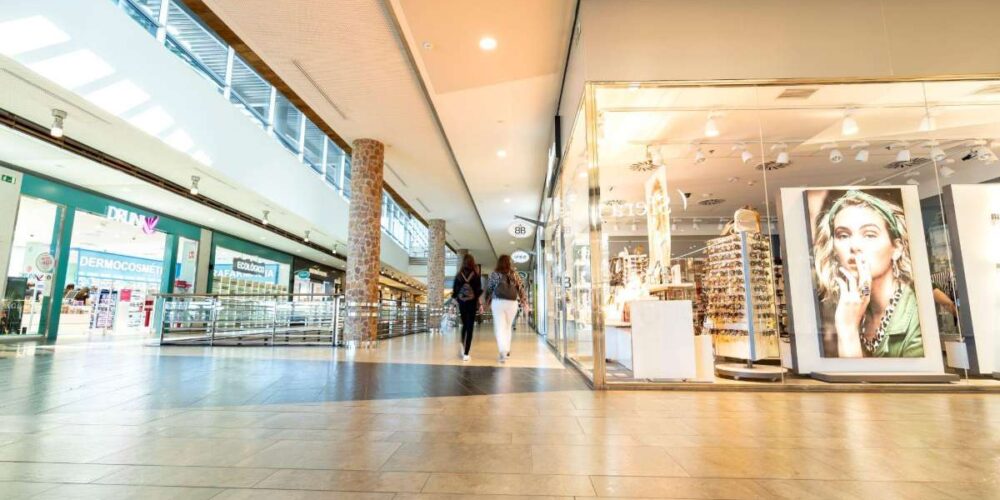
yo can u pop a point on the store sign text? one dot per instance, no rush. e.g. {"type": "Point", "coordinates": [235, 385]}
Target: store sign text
{"type": "Point", "coordinates": [145, 222]}
{"type": "Point", "coordinates": [100, 265]}
{"type": "Point", "coordinates": [247, 266]}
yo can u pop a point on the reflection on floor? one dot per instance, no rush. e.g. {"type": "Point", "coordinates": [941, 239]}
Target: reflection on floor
{"type": "Point", "coordinates": [127, 420]}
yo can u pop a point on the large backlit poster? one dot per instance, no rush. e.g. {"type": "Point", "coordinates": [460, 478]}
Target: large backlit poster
{"type": "Point", "coordinates": [658, 220]}
{"type": "Point", "coordinates": [863, 274]}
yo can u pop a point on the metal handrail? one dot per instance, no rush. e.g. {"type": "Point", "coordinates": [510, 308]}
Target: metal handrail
{"type": "Point", "coordinates": [273, 319]}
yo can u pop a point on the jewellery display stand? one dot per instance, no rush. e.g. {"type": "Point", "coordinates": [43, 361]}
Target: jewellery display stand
{"type": "Point", "coordinates": [741, 313]}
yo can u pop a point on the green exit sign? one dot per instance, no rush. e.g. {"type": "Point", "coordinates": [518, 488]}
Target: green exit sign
{"type": "Point", "coordinates": [9, 179]}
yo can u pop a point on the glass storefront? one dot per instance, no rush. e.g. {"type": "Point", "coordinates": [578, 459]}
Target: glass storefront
{"type": "Point", "coordinates": [780, 231]}
{"type": "Point", "coordinates": [241, 268]}
{"type": "Point", "coordinates": [83, 264]}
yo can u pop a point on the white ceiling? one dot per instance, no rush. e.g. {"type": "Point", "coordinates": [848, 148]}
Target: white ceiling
{"type": "Point", "coordinates": [357, 61]}
{"type": "Point", "coordinates": [346, 61]}
{"type": "Point", "coordinates": [504, 99]}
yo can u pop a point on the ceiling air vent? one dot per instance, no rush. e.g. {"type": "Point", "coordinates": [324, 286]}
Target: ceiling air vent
{"type": "Point", "coordinates": [900, 165]}
{"type": "Point", "coordinates": [797, 93]}
{"type": "Point", "coordinates": [771, 165]}
{"type": "Point", "coordinates": [711, 201]}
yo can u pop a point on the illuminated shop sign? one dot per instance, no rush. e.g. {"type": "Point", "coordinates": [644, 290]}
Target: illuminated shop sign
{"type": "Point", "coordinates": [145, 222]}
{"type": "Point", "coordinates": [247, 266]}
{"type": "Point", "coordinates": [91, 264]}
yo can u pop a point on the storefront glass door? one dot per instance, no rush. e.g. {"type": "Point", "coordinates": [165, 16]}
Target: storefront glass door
{"type": "Point", "coordinates": [113, 267]}
{"type": "Point", "coordinates": [30, 273]}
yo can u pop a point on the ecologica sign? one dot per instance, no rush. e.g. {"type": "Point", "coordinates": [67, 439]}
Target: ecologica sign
{"type": "Point", "coordinates": [247, 266]}
{"type": "Point", "coordinates": [145, 222]}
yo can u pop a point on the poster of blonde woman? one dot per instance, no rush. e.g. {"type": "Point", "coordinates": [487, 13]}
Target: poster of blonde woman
{"type": "Point", "coordinates": [658, 220]}
{"type": "Point", "coordinates": [863, 274]}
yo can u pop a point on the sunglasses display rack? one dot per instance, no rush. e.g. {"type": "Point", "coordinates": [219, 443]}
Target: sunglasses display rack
{"type": "Point", "coordinates": [726, 309]}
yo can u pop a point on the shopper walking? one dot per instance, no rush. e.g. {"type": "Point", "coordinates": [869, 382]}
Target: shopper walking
{"type": "Point", "coordinates": [467, 289]}
{"type": "Point", "coordinates": [504, 290]}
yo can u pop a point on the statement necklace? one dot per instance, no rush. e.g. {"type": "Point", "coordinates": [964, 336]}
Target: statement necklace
{"type": "Point", "coordinates": [876, 342]}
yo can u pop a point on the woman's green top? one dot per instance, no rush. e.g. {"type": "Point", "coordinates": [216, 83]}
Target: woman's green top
{"type": "Point", "coordinates": [903, 332]}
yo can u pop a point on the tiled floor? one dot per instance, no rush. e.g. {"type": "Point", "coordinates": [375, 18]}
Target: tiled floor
{"type": "Point", "coordinates": [127, 420]}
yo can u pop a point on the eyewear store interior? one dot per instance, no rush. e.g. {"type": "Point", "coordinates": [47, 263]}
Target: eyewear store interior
{"type": "Point", "coordinates": [783, 233]}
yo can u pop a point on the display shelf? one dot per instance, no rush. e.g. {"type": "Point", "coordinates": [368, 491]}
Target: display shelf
{"type": "Point", "coordinates": [726, 315]}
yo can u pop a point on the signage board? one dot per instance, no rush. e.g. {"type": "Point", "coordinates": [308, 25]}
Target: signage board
{"type": "Point", "coordinates": [302, 275]}
{"type": "Point", "coordinates": [519, 229]}
{"type": "Point", "coordinates": [145, 222]}
{"type": "Point", "coordinates": [109, 266]}
{"type": "Point", "coordinates": [520, 257]}
{"type": "Point", "coordinates": [44, 262]}
{"type": "Point", "coordinates": [247, 266]}
{"type": "Point", "coordinates": [269, 275]}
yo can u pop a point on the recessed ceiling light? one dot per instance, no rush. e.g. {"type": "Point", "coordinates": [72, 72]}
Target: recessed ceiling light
{"type": "Point", "coordinates": [58, 116]}
{"type": "Point", "coordinates": [501, 153]}
{"type": "Point", "coordinates": [427, 45]}
{"type": "Point", "coordinates": [506, 200]}
{"type": "Point", "coordinates": [849, 126]}
{"type": "Point", "coordinates": [487, 43]}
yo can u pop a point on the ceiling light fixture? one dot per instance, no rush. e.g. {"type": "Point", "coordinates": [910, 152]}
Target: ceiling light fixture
{"type": "Point", "coordinates": [849, 126]}
{"type": "Point", "coordinates": [506, 200]}
{"type": "Point", "coordinates": [937, 153]}
{"type": "Point", "coordinates": [694, 225]}
{"type": "Point", "coordinates": [58, 117]}
{"type": "Point", "coordinates": [913, 182]}
{"type": "Point", "coordinates": [928, 123]}
{"type": "Point", "coordinates": [835, 155]}
{"type": "Point", "coordinates": [487, 43]}
{"type": "Point", "coordinates": [699, 156]}
{"type": "Point", "coordinates": [711, 128]}
{"type": "Point", "coordinates": [501, 153]}
{"type": "Point", "coordinates": [673, 227]}
{"type": "Point", "coordinates": [657, 157]}
{"type": "Point", "coordinates": [265, 220]}
{"type": "Point", "coordinates": [863, 154]}
{"type": "Point", "coordinates": [721, 225]}
{"type": "Point", "coordinates": [194, 185]}
{"type": "Point", "coordinates": [307, 236]}
{"type": "Point", "coordinates": [745, 154]}
{"type": "Point", "coordinates": [782, 158]}
{"type": "Point", "coordinates": [635, 227]}
{"type": "Point", "coordinates": [904, 154]}
{"type": "Point", "coordinates": [946, 171]}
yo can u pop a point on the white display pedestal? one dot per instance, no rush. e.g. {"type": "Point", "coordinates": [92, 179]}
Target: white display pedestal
{"type": "Point", "coordinates": [662, 339]}
{"type": "Point", "coordinates": [618, 344]}
{"type": "Point", "coordinates": [704, 358]}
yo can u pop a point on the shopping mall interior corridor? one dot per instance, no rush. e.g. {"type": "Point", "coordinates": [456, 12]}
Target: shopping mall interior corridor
{"type": "Point", "coordinates": [126, 419]}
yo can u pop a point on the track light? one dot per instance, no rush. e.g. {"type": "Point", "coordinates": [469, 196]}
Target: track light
{"type": "Point", "coordinates": [913, 182]}
{"type": "Point", "coordinates": [938, 154]}
{"type": "Point", "coordinates": [657, 157]}
{"type": "Point", "coordinates": [635, 227]}
{"type": "Point", "coordinates": [711, 128]}
{"type": "Point", "coordinates": [699, 157]}
{"type": "Point", "coordinates": [849, 126]}
{"type": "Point", "coordinates": [946, 171]}
{"type": "Point", "coordinates": [745, 155]}
{"type": "Point", "coordinates": [264, 220]}
{"type": "Point", "coordinates": [835, 155]}
{"type": "Point", "coordinates": [904, 155]}
{"type": "Point", "coordinates": [194, 185]}
{"type": "Point", "coordinates": [307, 236]}
{"type": "Point", "coordinates": [695, 225]}
{"type": "Point", "coordinates": [863, 154]}
{"type": "Point", "coordinates": [673, 227]}
{"type": "Point", "coordinates": [721, 225]}
{"type": "Point", "coordinates": [58, 117]}
{"type": "Point", "coordinates": [782, 149]}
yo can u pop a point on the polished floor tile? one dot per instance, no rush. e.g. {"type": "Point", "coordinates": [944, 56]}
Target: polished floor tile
{"type": "Point", "coordinates": [410, 420]}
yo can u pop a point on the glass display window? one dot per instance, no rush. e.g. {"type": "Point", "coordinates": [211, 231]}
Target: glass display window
{"type": "Point", "coordinates": [691, 193]}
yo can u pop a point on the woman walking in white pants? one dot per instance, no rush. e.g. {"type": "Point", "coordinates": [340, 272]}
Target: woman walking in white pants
{"type": "Point", "coordinates": [504, 290]}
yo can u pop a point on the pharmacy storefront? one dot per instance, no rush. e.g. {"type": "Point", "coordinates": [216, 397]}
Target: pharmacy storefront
{"type": "Point", "coordinates": [80, 264]}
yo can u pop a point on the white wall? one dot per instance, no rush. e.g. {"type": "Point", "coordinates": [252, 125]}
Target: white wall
{"type": "Point", "coordinates": [179, 107]}
{"type": "Point", "coordinates": [636, 40]}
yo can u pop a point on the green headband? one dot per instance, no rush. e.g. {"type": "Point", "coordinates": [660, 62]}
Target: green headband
{"type": "Point", "coordinates": [876, 204]}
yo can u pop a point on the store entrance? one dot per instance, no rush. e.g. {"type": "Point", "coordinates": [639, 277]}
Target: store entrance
{"type": "Point", "coordinates": [114, 268]}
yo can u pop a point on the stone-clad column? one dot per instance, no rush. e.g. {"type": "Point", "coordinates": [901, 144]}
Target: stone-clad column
{"type": "Point", "coordinates": [435, 270]}
{"type": "Point", "coordinates": [364, 238]}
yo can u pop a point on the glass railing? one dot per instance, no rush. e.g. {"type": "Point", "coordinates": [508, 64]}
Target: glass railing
{"type": "Point", "coordinates": [189, 39]}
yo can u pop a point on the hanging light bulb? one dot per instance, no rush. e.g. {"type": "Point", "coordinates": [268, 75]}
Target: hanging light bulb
{"type": "Point", "coordinates": [194, 185]}
{"type": "Point", "coordinates": [58, 117]}
{"type": "Point", "coordinates": [711, 128]}
{"type": "Point", "coordinates": [849, 126]}
{"type": "Point", "coordinates": [264, 220]}
{"type": "Point", "coordinates": [307, 236]}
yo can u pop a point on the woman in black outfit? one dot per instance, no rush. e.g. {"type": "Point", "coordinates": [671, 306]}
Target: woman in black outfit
{"type": "Point", "coordinates": [466, 291]}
